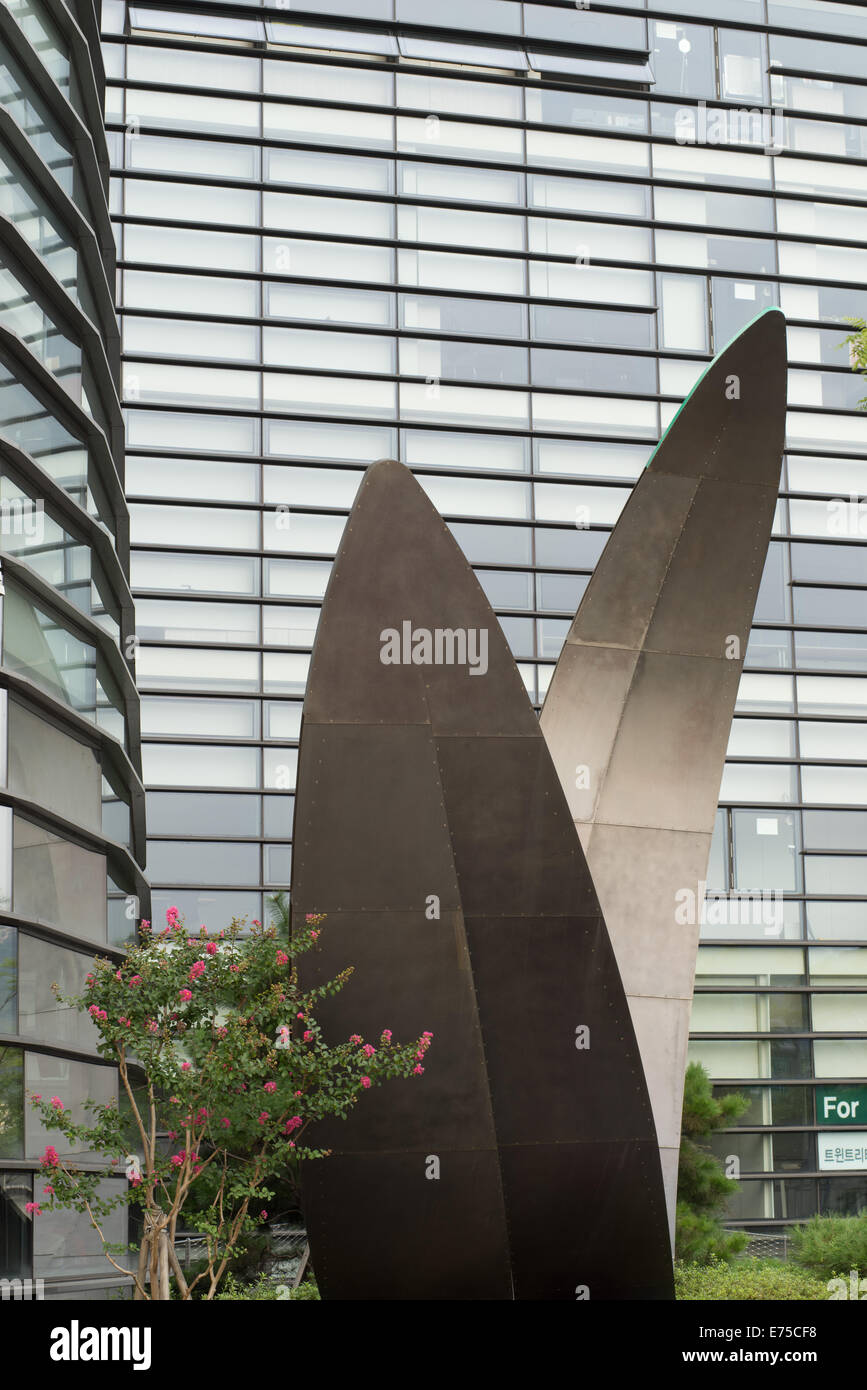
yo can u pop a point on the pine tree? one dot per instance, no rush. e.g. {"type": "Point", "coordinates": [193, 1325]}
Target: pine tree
{"type": "Point", "coordinates": [702, 1186]}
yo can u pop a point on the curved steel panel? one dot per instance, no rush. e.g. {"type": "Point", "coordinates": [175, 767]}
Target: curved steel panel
{"type": "Point", "coordinates": [521, 1165]}
{"type": "Point", "coordinates": [639, 709]}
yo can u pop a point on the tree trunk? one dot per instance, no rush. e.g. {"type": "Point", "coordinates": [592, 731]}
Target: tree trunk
{"type": "Point", "coordinates": [142, 1271]}
{"type": "Point", "coordinates": [183, 1287]}
{"type": "Point", "coordinates": [164, 1293]}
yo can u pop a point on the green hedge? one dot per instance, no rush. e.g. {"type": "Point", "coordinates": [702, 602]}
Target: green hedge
{"type": "Point", "coordinates": [750, 1279]}
{"type": "Point", "coordinates": [830, 1245]}
{"type": "Point", "coordinates": [265, 1291]}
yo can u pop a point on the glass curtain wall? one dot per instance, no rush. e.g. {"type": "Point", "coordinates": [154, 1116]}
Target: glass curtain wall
{"type": "Point", "coordinates": [72, 840]}
{"type": "Point", "coordinates": [500, 242]}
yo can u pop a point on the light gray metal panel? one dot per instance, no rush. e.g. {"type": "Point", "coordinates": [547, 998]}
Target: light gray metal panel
{"type": "Point", "coordinates": [646, 684]}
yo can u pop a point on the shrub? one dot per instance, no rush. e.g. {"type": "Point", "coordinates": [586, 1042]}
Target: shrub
{"type": "Point", "coordinates": [265, 1290]}
{"type": "Point", "coordinates": [829, 1245]}
{"type": "Point", "coordinates": [749, 1279]}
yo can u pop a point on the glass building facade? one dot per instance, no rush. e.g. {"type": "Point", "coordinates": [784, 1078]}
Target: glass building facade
{"type": "Point", "coordinates": [71, 797]}
{"type": "Point", "coordinates": [500, 242]}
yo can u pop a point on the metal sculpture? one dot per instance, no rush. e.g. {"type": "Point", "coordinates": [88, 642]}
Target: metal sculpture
{"type": "Point", "coordinates": [431, 828]}
{"type": "Point", "coordinates": [639, 709]}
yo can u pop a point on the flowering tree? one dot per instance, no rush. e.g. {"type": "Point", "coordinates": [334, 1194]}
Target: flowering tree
{"type": "Point", "coordinates": [857, 344]}
{"type": "Point", "coordinates": [234, 1071]}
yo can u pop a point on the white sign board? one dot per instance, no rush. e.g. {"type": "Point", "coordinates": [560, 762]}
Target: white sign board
{"type": "Point", "coordinates": [842, 1153]}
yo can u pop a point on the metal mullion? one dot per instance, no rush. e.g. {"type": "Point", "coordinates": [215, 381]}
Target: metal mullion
{"type": "Point", "coordinates": [793, 943]}
{"type": "Point", "coordinates": [777, 1037]}
{"type": "Point", "coordinates": [489, 252]}
{"type": "Point", "coordinates": [647, 180]}
{"type": "Point", "coordinates": [348, 59]}
{"type": "Point", "coordinates": [411, 156]}
{"type": "Point", "coordinates": [251, 412]}
{"type": "Point", "coordinates": [780, 989]}
{"type": "Point", "coordinates": [388, 287]}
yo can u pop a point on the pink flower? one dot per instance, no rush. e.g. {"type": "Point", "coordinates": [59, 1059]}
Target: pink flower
{"type": "Point", "coordinates": [196, 969]}
{"type": "Point", "coordinates": [356, 1039]}
{"type": "Point", "coordinates": [256, 922]}
{"type": "Point", "coordinates": [368, 1050]}
{"type": "Point", "coordinates": [299, 1014]}
{"type": "Point", "coordinates": [172, 1133]}
{"type": "Point", "coordinates": [263, 1117]}
{"type": "Point", "coordinates": [386, 1034]}
{"type": "Point", "coordinates": [177, 1160]}
{"type": "Point", "coordinates": [185, 994]}
{"type": "Point", "coordinates": [282, 958]}
{"type": "Point", "coordinates": [308, 1036]}
{"type": "Point", "coordinates": [153, 1026]}
{"type": "Point", "coordinates": [50, 1158]}
{"type": "Point", "coordinates": [314, 936]}
{"type": "Point", "coordinates": [33, 1209]}
{"type": "Point", "coordinates": [234, 969]}
{"type": "Point", "coordinates": [270, 1086]}
{"type": "Point", "coordinates": [418, 1071]}
{"type": "Point", "coordinates": [211, 948]}
{"type": "Point", "coordinates": [185, 1066]}
{"type": "Point", "coordinates": [118, 975]}
{"type": "Point", "coordinates": [48, 1190]}
{"type": "Point", "coordinates": [37, 1097]}
{"type": "Point", "coordinates": [263, 1214]}
{"type": "Point", "coordinates": [136, 980]}
{"type": "Point", "coordinates": [225, 1123]}
{"type": "Point", "coordinates": [171, 915]}
{"type": "Point", "coordinates": [292, 1124]}
{"type": "Point", "coordinates": [56, 1103]}
{"type": "Point", "coordinates": [145, 923]}
{"type": "Point", "coordinates": [222, 1032]}
{"type": "Point", "coordinates": [366, 1082]}
{"type": "Point", "coordinates": [93, 1010]}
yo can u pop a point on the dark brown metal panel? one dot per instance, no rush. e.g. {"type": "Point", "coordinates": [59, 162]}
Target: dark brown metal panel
{"type": "Point", "coordinates": [644, 691]}
{"type": "Point", "coordinates": [424, 779]}
{"type": "Point", "coordinates": [539, 980]}
{"type": "Point", "coordinates": [515, 848]}
{"type": "Point", "coordinates": [380, 1230]}
{"type": "Point", "coordinates": [587, 1193]}
{"type": "Point", "coordinates": [411, 976]}
{"type": "Point", "coordinates": [374, 791]}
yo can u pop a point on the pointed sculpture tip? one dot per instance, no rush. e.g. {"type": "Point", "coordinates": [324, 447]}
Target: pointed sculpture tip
{"type": "Point", "coordinates": [770, 318]}
{"type": "Point", "coordinates": [383, 471]}
{"type": "Point", "coordinates": [382, 466]}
